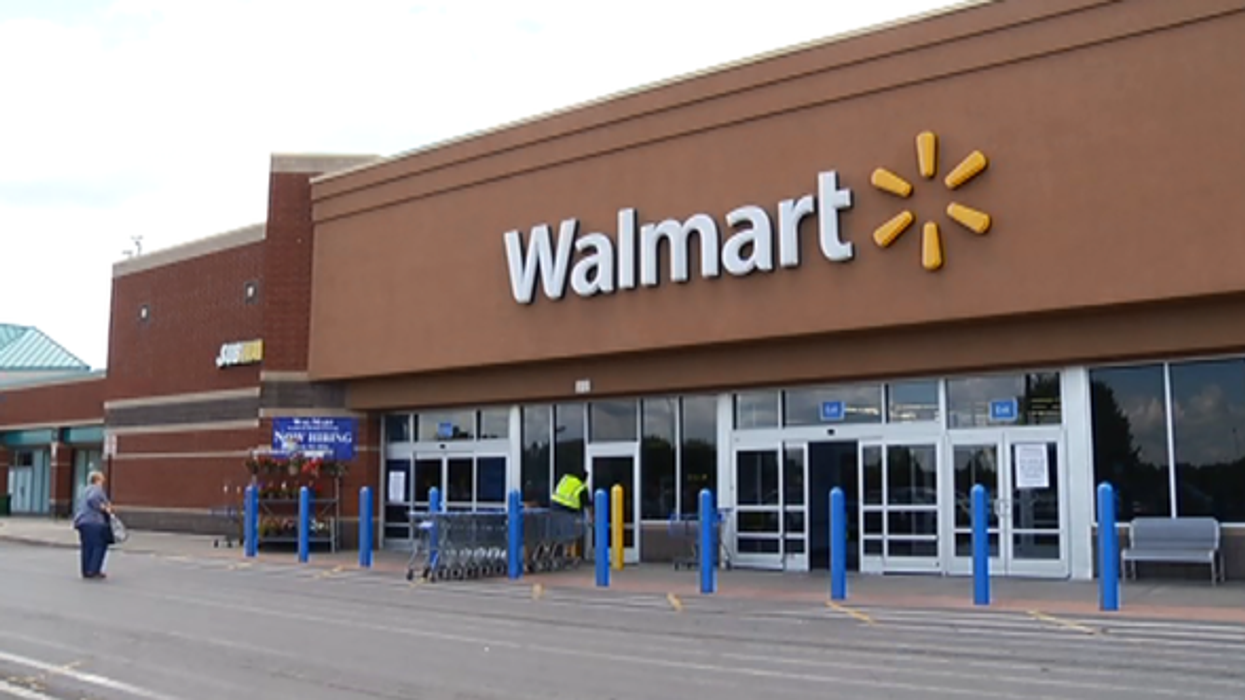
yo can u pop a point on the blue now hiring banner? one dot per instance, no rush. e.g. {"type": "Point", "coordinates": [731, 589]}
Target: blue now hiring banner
{"type": "Point", "coordinates": [335, 436]}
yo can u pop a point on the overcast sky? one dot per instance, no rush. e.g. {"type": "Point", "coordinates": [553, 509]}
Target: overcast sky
{"type": "Point", "coordinates": [156, 118]}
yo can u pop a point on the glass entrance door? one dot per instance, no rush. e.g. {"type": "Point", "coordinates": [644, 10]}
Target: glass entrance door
{"type": "Point", "coordinates": [899, 507]}
{"type": "Point", "coordinates": [1024, 473]}
{"type": "Point", "coordinates": [771, 512]}
{"type": "Point", "coordinates": [616, 464]}
{"type": "Point", "coordinates": [467, 482]}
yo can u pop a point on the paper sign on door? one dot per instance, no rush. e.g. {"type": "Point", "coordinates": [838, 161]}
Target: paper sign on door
{"type": "Point", "coordinates": [1032, 467]}
{"type": "Point", "coordinates": [397, 487]}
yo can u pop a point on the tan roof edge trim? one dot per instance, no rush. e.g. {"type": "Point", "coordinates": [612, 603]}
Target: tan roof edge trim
{"type": "Point", "coordinates": [167, 399]}
{"type": "Point", "coordinates": [193, 249]}
{"type": "Point", "coordinates": [326, 163]}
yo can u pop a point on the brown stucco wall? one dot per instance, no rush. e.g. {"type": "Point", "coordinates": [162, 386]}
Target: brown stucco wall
{"type": "Point", "coordinates": [1107, 191]}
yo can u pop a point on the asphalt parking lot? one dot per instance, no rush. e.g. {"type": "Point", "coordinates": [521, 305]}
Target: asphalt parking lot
{"type": "Point", "coordinates": [168, 626]}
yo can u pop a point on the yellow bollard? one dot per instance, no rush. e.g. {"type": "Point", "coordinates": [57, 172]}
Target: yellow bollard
{"type": "Point", "coordinates": [616, 527]}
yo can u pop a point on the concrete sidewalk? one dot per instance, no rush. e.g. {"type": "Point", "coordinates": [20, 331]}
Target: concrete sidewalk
{"type": "Point", "coordinates": [1148, 598]}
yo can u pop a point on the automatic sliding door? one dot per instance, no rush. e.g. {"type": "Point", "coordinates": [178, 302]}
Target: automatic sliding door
{"type": "Point", "coordinates": [899, 507]}
{"type": "Point", "coordinates": [758, 508]}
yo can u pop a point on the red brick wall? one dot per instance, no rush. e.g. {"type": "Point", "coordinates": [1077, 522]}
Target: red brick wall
{"type": "Point", "coordinates": [196, 306]}
{"type": "Point", "coordinates": [180, 470]}
{"type": "Point", "coordinates": [56, 403]}
{"type": "Point", "coordinates": [62, 480]}
{"type": "Point", "coordinates": [177, 482]}
{"type": "Point", "coordinates": [287, 272]}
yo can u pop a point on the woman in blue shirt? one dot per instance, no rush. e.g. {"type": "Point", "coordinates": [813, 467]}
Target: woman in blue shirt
{"type": "Point", "coordinates": [93, 527]}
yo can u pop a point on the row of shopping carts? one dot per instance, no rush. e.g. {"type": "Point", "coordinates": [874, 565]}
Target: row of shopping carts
{"type": "Point", "coordinates": [470, 545]}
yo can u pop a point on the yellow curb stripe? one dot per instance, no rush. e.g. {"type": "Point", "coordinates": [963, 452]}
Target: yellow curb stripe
{"type": "Point", "coordinates": [1067, 624]}
{"type": "Point", "coordinates": [850, 612]}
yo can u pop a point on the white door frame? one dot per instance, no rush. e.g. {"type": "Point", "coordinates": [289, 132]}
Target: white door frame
{"type": "Point", "coordinates": [885, 562]}
{"type": "Point", "coordinates": [782, 560]}
{"type": "Point", "coordinates": [1005, 562]}
{"type": "Point", "coordinates": [628, 450]}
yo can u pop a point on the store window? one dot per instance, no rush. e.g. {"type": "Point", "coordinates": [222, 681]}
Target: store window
{"type": "Point", "coordinates": [494, 423]}
{"type": "Point", "coordinates": [833, 405]}
{"type": "Point", "coordinates": [912, 402]}
{"type": "Point", "coordinates": [699, 449]}
{"type": "Point", "coordinates": [1129, 419]}
{"type": "Point", "coordinates": [612, 421]}
{"type": "Point", "coordinates": [568, 432]}
{"type": "Point", "coordinates": [1208, 418]}
{"type": "Point", "coordinates": [756, 409]}
{"type": "Point", "coordinates": [657, 459]}
{"type": "Point", "coordinates": [442, 426]}
{"type": "Point", "coordinates": [1012, 399]}
{"type": "Point", "coordinates": [537, 458]}
{"type": "Point", "coordinates": [398, 427]}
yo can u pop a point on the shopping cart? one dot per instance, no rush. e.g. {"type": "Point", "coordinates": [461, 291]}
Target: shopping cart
{"type": "Point", "coordinates": [230, 513]}
{"type": "Point", "coordinates": [685, 530]}
{"type": "Point", "coordinates": [552, 540]}
{"type": "Point", "coordinates": [458, 546]}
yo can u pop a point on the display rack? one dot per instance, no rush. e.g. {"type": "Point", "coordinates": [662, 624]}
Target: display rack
{"type": "Point", "coordinates": [278, 518]}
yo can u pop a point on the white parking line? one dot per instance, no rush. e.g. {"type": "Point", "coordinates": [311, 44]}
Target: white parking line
{"type": "Point", "coordinates": [88, 678]}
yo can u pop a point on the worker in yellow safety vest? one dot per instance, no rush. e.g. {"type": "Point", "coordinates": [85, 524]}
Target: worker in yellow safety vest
{"type": "Point", "coordinates": [571, 493]}
{"type": "Point", "coordinates": [571, 496]}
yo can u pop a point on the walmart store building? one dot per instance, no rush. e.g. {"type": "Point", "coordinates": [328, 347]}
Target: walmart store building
{"type": "Point", "coordinates": [996, 245]}
{"type": "Point", "coordinates": [999, 244]}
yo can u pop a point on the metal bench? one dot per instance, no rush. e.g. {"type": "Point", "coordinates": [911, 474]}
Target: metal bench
{"type": "Point", "coordinates": [1174, 541]}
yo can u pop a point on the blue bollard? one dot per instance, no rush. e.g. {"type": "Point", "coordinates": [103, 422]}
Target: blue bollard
{"type": "Point", "coordinates": [602, 539]}
{"type": "Point", "coordinates": [434, 506]}
{"type": "Point", "coordinates": [838, 544]}
{"type": "Point", "coordinates": [365, 527]}
{"type": "Point", "coordinates": [304, 523]}
{"type": "Point", "coordinates": [250, 521]}
{"type": "Point", "coordinates": [514, 535]}
{"type": "Point", "coordinates": [981, 547]}
{"type": "Point", "coordinates": [1108, 550]}
{"type": "Point", "coordinates": [708, 545]}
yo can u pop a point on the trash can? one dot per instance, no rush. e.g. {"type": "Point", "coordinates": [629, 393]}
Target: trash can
{"type": "Point", "coordinates": [4, 504]}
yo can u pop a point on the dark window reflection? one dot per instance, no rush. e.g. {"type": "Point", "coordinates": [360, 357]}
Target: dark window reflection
{"type": "Point", "coordinates": [861, 404]}
{"type": "Point", "coordinates": [1208, 416]}
{"type": "Point", "coordinates": [536, 464]}
{"type": "Point", "coordinates": [612, 421]}
{"type": "Point", "coordinates": [914, 401]}
{"type": "Point", "coordinates": [700, 450]}
{"type": "Point", "coordinates": [1129, 421]}
{"type": "Point", "coordinates": [1037, 395]}
{"type": "Point", "coordinates": [757, 478]}
{"type": "Point", "coordinates": [657, 472]}
{"type": "Point", "coordinates": [398, 427]}
{"type": "Point", "coordinates": [756, 409]}
{"type": "Point", "coordinates": [461, 485]}
{"type": "Point", "coordinates": [911, 476]}
{"type": "Point", "coordinates": [568, 435]}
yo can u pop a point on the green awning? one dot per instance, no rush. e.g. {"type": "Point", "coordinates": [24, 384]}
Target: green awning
{"type": "Point", "coordinates": [28, 438]}
{"type": "Point", "coordinates": [84, 435]}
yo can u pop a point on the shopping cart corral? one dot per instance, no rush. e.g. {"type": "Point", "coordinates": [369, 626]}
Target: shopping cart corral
{"type": "Point", "coordinates": [685, 530]}
{"type": "Point", "coordinates": [458, 546]}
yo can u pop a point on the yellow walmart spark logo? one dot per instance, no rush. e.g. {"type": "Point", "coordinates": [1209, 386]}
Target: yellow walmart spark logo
{"type": "Point", "coordinates": [927, 162]}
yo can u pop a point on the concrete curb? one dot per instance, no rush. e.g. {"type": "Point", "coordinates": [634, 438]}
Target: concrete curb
{"type": "Point", "coordinates": [34, 542]}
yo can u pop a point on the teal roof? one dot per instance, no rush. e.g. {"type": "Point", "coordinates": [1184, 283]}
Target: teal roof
{"type": "Point", "coordinates": [25, 348]}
